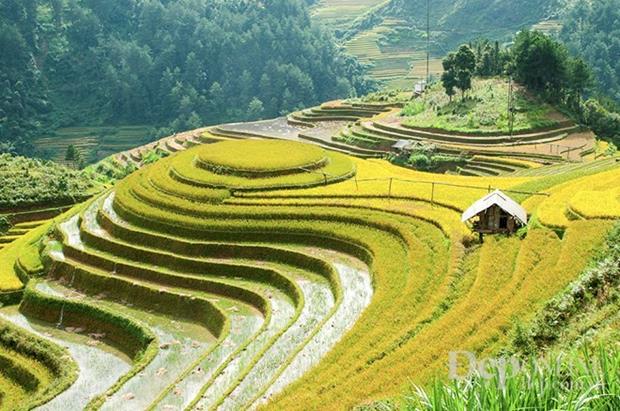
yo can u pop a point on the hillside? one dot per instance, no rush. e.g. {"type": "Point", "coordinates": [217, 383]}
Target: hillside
{"type": "Point", "coordinates": [67, 64]}
{"type": "Point", "coordinates": [391, 36]}
{"type": "Point", "coordinates": [270, 263]}
{"type": "Point", "coordinates": [590, 30]}
{"type": "Point", "coordinates": [210, 205]}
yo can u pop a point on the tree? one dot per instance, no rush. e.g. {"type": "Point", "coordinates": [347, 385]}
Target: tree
{"type": "Point", "coordinates": [580, 79]}
{"type": "Point", "coordinates": [590, 31]}
{"type": "Point", "coordinates": [5, 225]}
{"type": "Point", "coordinates": [164, 62]}
{"type": "Point", "coordinates": [255, 109]}
{"type": "Point", "coordinates": [540, 63]}
{"type": "Point", "coordinates": [72, 153]}
{"type": "Point", "coordinates": [75, 156]}
{"type": "Point", "coordinates": [459, 69]}
{"type": "Point", "coordinates": [465, 63]}
{"type": "Point", "coordinates": [448, 78]}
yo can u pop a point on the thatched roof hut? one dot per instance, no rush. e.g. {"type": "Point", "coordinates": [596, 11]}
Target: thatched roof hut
{"type": "Point", "coordinates": [496, 213]}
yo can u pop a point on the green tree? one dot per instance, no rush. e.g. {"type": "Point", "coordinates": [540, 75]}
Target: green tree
{"type": "Point", "coordinates": [465, 63]}
{"type": "Point", "coordinates": [448, 78]}
{"type": "Point", "coordinates": [165, 62]}
{"type": "Point", "coordinates": [590, 31]}
{"type": "Point", "coordinates": [5, 225]}
{"type": "Point", "coordinates": [459, 69]}
{"type": "Point", "coordinates": [580, 79]}
{"type": "Point", "coordinates": [540, 63]}
{"type": "Point", "coordinates": [72, 153]}
{"type": "Point", "coordinates": [255, 109]}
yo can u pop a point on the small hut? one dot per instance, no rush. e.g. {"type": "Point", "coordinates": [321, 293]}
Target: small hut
{"type": "Point", "coordinates": [496, 214]}
{"type": "Point", "coordinates": [403, 146]}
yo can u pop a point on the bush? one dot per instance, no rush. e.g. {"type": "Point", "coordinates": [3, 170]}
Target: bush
{"type": "Point", "coordinates": [5, 225]}
{"type": "Point", "coordinates": [413, 108]}
{"type": "Point", "coordinates": [605, 123]}
{"type": "Point", "coordinates": [420, 161]}
{"type": "Point", "coordinates": [425, 157]}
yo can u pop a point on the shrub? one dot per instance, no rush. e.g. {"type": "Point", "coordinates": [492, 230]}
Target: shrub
{"type": "Point", "coordinates": [5, 225]}
{"type": "Point", "coordinates": [604, 123]}
{"type": "Point", "coordinates": [413, 108]}
{"type": "Point", "coordinates": [29, 182]}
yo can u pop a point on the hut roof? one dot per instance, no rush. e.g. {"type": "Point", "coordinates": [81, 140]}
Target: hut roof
{"type": "Point", "coordinates": [403, 144]}
{"type": "Point", "coordinates": [502, 201]}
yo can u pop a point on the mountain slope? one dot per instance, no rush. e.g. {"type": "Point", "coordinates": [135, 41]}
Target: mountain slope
{"type": "Point", "coordinates": [391, 36]}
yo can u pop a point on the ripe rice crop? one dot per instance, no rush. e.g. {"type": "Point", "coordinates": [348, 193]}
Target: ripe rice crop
{"type": "Point", "coordinates": [250, 250]}
{"type": "Point", "coordinates": [261, 156]}
{"type": "Point", "coordinates": [554, 210]}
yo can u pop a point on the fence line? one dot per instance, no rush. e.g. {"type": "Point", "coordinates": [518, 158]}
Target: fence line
{"type": "Point", "coordinates": [441, 183]}
{"type": "Point", "coordinates": [391, 180]}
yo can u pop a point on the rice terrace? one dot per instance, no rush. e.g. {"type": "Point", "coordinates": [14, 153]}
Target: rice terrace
{"type": "Point", "coordinates": [446, 245]}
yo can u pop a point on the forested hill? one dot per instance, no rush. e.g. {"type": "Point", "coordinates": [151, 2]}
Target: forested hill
{"type": "Point", "coordinates": [592, 29]}
{"type": "Point", "coordinates": [175, 63]}
{"type": "Point", "coordinates": [453, 22]}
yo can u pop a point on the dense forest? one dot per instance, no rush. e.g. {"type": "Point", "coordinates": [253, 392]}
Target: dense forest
{"type": "Point", "coordinates": [592, 30]}
{"type": "Point", "coordinates": [177, 64]}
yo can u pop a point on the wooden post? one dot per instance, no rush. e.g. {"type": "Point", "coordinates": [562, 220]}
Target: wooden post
{"type": "Point", "coordinates": [489, 188]}
{"type": "Point", "coordinates": [390, 189]}
{"type": "Point", "coordinates": [325, 177]}
{"type": "Point", "coordinates": [357, 186]}
{"type": "Point", "coordinates": [433, 194]}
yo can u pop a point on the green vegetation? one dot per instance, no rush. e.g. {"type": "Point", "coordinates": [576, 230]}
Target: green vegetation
{"type": "Point", "coordinates": [459, 70]}
{"type": "Point", "coordinates": [271, 247]}
{"type": "Point", "coordinates": [541, 384]}
{"type": "Point", "coordinates": [31, 182]}
{"type": "Point", "coordinates": [133, 62]}
{"type": "Point", "coordinates": [484, 110]}
{"type": "Point", "coordinates": [589, 31]}
{"type": "Point", "coordinates": [426, 157]}
{"type": "Point", "coordinates": [234, 267]}
{"type": "Point", "coordinates": [584, 313]}
{"type": "Point", "coordinates": [5, 225]}
{"type": "Point", "coordinates": [391, 36]}
{"type": "Point", "coordinates": [339, 14]}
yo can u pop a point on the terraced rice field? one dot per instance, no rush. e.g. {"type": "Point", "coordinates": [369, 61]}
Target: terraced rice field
{"type": "Point", "coordinates": [94, 143]}
{"type": "Point", "coordinates": [279, 274]}
{"type": "Point", "coordinates": [339, 14]}
{"type": "Point", "coordinates": [398, 63]}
